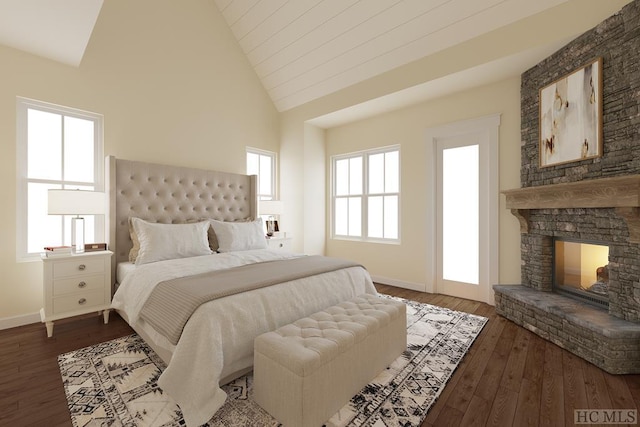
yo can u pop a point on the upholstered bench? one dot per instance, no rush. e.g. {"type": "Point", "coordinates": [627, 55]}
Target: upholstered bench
{"type": "Point", "coordinates": [306, 371]}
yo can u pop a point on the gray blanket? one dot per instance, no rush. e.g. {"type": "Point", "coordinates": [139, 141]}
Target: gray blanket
{"type": "Point", "coordinates": [172, 302]}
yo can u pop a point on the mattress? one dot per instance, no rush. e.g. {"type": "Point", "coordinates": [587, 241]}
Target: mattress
{"type": "Point", "coordinates": [123, 269]}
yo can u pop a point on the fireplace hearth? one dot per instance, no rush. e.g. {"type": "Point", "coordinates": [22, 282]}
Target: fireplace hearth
{"type": "Point", "coordinates": [558, 301]}
{"type": "Point", "coordinates": [598, 210]}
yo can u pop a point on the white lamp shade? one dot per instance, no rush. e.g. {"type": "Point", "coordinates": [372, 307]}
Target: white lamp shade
{"type": "Point", "coordinates": [76, 202]}
{"type": "Point", "coordinates": [270, 207]}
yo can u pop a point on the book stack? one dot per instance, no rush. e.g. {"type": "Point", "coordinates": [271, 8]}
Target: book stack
{"type": "Point", "coordinates": [53, 251]}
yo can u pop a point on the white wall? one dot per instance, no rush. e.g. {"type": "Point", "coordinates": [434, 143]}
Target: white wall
{"type": "Point", "coordinates": [173, 86]}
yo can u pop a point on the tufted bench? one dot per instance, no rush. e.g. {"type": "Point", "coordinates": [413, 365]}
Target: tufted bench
{"type": "Point", "coordinates": [306, 371]}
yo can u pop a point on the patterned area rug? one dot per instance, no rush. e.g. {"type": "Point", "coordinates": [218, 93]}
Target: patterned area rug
{"type": "Point", "coordinates": [115, 383]}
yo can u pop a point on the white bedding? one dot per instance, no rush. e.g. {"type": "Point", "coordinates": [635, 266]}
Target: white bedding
{"type": "Point", "coordinates": [123, 269]}
{"type": "Point", "coordinates": [218, 339]}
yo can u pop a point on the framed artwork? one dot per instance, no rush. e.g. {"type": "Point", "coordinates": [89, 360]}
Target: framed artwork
{"type": "Point", "coordinates": [571, 117]}
{"type": "Point", "coordinates": [272, 226]}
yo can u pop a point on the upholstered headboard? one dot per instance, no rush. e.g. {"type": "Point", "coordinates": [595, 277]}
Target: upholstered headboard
{"type": "Point", "coordinates": [170, 194]}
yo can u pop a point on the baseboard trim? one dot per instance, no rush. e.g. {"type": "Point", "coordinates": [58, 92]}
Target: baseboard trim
{"type": "Point", "coordinates": [15, 321]}
{"type": "Point", "coordinates": [420, 287]}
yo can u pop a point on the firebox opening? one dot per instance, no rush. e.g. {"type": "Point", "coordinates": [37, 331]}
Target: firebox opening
{"type": "Point", "coordinates": [581, 270]}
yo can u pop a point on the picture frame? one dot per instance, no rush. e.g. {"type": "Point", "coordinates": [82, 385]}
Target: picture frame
{"type": "Point", "coordinates": [570, 117]}
{"type": "Point", "coordinates": [272, 227]}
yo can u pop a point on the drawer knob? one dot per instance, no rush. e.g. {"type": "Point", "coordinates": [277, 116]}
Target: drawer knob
{"type": "Point", "coordinates": [82, 284]}
{"type": "Point", "coordinates": [82, 301]}
{"type": "Point", "coordinates": [82, 267]}
{"type": "Point", "coordinates": [281, 245]}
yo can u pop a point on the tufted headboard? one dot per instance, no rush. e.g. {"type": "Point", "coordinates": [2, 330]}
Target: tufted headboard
{"type": "Point", "coordinates": [170, 194]}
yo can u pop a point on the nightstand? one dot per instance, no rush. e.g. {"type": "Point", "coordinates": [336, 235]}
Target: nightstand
{"type": "Point", "coordinates": [76, 284]}
{"type": "Point", "coordinates": [279, 243]}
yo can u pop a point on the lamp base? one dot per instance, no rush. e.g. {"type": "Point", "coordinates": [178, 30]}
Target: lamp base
{"type": "Point", "coordinates": [77, 234]}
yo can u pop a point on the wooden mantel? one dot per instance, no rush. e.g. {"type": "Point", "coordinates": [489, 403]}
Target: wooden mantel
{"type": "Point", "coordinates": [621, 193]}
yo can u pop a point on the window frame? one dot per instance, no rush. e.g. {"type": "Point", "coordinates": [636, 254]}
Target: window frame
{"type": "Point", "coordinates": [274, 163]}
{"type": "Point", "coordinates": [23, 105]}
{"type": "Point", "coordinates": [364, 196]}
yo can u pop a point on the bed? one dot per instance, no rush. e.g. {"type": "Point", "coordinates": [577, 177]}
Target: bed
{"type": "Point", "coordinates": [216, 343]}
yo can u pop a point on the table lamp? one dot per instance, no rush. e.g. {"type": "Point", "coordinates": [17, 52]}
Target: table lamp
{"type": "Point", "coordinates": [76, 202]}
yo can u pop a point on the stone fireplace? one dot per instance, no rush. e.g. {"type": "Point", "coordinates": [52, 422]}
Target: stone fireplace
{"type": "Point", "coordinates": [604, 210]}
{"type": "Point", "coordinates": [594, 200]}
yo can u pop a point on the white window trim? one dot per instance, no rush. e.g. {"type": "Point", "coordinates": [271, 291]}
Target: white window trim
{"type": "Point", "coordinates": [365, 195]}
{"type": "Point", "coordinates": [22, 106]}
{"type": "Point", "coordinates": [274, 168]}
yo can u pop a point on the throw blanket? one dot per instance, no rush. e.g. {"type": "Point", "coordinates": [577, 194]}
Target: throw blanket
{"type": "Point", "coordinates": [172, 302]}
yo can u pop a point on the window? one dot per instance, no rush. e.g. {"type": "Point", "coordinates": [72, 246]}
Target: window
{"type": "Point", "coordinates": [263, 164]}
{"type": "Point", "coordinates": [366, 195]}
{"type": "Point", "coordinates": [57, 148]}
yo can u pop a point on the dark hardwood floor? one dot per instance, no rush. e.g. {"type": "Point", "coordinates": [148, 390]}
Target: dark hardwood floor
{"type": "Point", "coordinates": [510, 377]}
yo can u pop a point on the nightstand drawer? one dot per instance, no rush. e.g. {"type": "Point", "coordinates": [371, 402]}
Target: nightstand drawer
{"type": "Point", "coordinates": [78, 301]}
{"type": "Point", "coordinates": [79, 266]}
{"type": "Point", "coordinates": [76, 284]}
{"type": "Point", "coordinates": [279, 244]}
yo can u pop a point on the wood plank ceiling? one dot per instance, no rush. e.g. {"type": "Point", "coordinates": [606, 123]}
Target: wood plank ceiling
{"type": "Point", "coordinates": [305, 49]}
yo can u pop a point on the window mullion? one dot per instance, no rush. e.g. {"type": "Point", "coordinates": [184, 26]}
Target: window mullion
{"type": "Point", "coordinates": [348, 198]}
{"type": "Point", "coordinates": [62, 147]}
{"type": "Point", "coordinates": [365, 197]}
{"type": "Point", "coordinates": [62, 174]}
{"type": "Point", "coordinates": [274, 180]}
{"type": "Point", "coordinates": [384, 192]}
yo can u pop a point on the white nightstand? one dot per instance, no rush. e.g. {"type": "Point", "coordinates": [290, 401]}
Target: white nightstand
{"type": "Point", "coordinates": [76, 284]}
{"type": "Point", "coordinates": [279, 243]}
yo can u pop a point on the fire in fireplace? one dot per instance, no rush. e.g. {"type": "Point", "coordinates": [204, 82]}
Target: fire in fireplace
{"type": "Point", "coordinates": [581, 270]}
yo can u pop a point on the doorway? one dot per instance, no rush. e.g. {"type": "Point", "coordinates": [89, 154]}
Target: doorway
{"type": "Point", "coordinates": [463, 211]}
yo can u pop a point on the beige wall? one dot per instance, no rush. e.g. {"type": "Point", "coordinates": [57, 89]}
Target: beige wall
{"type": "Point", "coordinates": [406, 262]}
{"type": "Point", "coordinates": [298, 186]}
{"type": "Point", "coordinates": [314, 187]}
{"type": "Point", "coordinates": [173, 86]}
{"type": "Point", "coordinates": [302, 183]}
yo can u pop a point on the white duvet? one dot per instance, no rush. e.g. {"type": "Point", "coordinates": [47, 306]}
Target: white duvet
{"type": "Point", "coordinates": [218, 339]}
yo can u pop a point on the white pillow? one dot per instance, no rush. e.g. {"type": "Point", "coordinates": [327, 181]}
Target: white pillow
{"type": "Point", "coordinates": [239, 236]}
{"type": "Point", "coordinates": [160, 242]}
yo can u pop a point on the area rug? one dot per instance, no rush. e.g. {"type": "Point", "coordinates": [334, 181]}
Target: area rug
{"type": "Point", "coordinates": [115, 383]}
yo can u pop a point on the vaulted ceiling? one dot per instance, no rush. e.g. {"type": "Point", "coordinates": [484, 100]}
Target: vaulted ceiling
{"type": "Point", "coordinates": [304, 50]}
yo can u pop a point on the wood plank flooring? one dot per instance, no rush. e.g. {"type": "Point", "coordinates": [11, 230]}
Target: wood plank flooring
{"type": "Point", "coordinates": [509, 377]}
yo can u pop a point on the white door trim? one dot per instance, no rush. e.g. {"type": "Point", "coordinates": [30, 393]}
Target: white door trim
{"type": "Point", "coordinates": [489, 125]}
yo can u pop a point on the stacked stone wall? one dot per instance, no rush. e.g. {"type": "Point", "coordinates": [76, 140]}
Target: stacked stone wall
{"type": "Point", "coordinates": [609, 340]}
{"type": "Point", "coordinates": [617, 41]}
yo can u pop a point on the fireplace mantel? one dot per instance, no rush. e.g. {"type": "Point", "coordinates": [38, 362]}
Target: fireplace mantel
{"type": "Point", "coordinates": [621, 193]}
